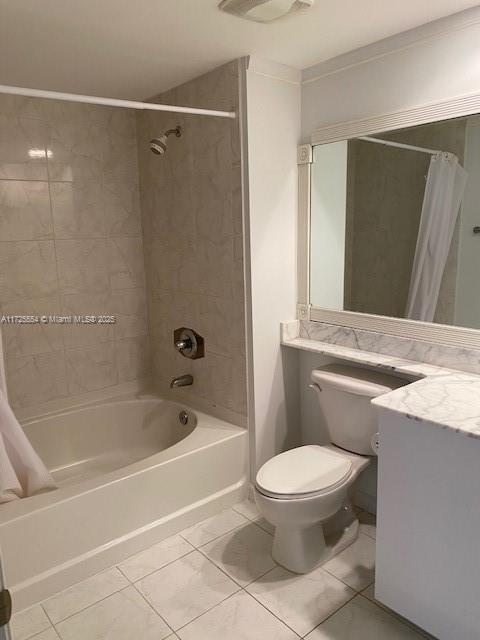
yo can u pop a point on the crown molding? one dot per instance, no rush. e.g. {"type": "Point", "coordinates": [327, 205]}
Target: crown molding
{"type": "Point", "coordinates": [275, 70]}
{"type": "Point", "coordinates": [407, 39]}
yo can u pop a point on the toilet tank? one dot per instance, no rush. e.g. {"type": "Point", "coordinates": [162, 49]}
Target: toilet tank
{"type": "Point", "coordinates": [345, 395]}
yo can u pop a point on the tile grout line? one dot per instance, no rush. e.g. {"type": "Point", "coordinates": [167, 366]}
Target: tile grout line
{"type": "Point", "coordinates": [150, 573]}
{"type": "Point", "coordinates": [83, 608]}
{"type": "Point", "coordinates": [346, 583]}
{"type": "Point", "coordinates": [36, 635]}
{"type": "Point", "coordinates": [355, 594]}
{"type": "Point", "coordinates": [231, 577]}
{"type": "Point", "coordinates": [51, 623]}
{"type": "Point", "coordinates": [154, 610]}
{"type": "Point", "coordinates": [216, 537]}
{"type": "Point", "coordinates": [208, 610]}
{"type": "Point", "coordinates": [271, 612]}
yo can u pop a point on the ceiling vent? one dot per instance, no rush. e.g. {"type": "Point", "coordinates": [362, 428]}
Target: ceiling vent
{"type": "Point", "coordinates": [263, 10]}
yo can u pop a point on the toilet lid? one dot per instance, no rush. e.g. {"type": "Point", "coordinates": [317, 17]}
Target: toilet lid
{"type": "Point", "coordinates": [303, 470]}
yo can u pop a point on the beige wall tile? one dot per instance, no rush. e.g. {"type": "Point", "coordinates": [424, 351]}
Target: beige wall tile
{"type": "Point", "coordinates": [133, 358]}
{"type": "Point", "coordinates": [92, 194]}
{"type": "Point", "coordinates": [159, 317]}
{"type": "Point", "coordinates": [192, 224]}
{"type": "Point", "coordinates": [129, 306]}
{"type": "Point", "coordinates": [213, 205]}
{"type": "Point", "coordinates": [20, 136]}
{"type": "Point", "coordinates": [27, 270]}
{"type": "Point", "coordinates": [36, 379]}
{"type": "Point", "coordinates": [82, 334]}
{"type": "Point", "coordinates": [24, 210]}
{"type": "Point", "coordinates": [21, 106]}
{"type": "Point", "coordinates": [164, 266]}
{"type": "Point", "coordinates": [126, 263]}
{"type": "Point", "coordinates": [157, 209]}
{"type": "Point", "coordinates": [122, 209]}
{"type": "Point", "coordinates": [77, 209]}
{"type": "Point", "coordinates": [76, 151]}
{"type": "Point", "coordinates": [212, 145]}
{"type": "Point", "coordinates": [32, 339]}
{"type": "Point", "coordinates": [215, 322]}
{"type": "Point", "coordinates": [214, 266]}
{"type": "Point", "coordinates": [90, 368]}
{"type": "Point", "coordinates": [82, 266]}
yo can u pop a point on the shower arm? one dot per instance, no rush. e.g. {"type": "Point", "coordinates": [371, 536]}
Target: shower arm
{"type": "Point", "coordinates": [176, 131]}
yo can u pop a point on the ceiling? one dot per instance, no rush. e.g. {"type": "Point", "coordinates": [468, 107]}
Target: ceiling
{"type": "Point", "coordinates": [134, 49]}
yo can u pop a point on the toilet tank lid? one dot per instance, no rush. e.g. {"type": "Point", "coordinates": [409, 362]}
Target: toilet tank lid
{"type": "Point", "coordinates": [356, 380]}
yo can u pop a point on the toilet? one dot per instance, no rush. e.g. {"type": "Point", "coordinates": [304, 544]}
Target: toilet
{"type": "Point", "coordinates": [304, 492]}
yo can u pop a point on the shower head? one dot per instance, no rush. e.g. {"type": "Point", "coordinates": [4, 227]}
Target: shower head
{"type": "Point", "coordinates": [159, 145]}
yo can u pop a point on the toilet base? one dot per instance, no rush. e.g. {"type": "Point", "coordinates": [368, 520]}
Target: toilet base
{"type": "Point", "coordinates": [302, 549]}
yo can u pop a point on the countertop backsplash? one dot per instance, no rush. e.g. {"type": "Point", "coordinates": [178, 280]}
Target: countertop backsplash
{"type": "Point", "coordinates": [436, 354]}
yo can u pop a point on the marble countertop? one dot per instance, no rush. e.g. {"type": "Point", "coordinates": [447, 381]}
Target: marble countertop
{"type": "Point", "coordinates": [445, 397]}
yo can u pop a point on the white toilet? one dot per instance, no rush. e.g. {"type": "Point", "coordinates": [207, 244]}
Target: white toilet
{"type": "Point", "coordinates": [304, 492]}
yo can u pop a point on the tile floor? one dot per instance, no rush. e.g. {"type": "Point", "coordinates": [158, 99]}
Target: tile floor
{"type": "Point", "coordinates": [217, 580]}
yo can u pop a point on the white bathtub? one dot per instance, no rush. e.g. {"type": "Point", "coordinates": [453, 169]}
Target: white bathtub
{"type": "Point", "coordinates": [129, 475]}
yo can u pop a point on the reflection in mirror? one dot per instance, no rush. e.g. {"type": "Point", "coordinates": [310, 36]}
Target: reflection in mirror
{"type": "Point", "coordinates": [395, 222]}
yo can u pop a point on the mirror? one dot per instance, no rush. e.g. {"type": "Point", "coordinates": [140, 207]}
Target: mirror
{"type": "Point", "coordinates": [395, 224]}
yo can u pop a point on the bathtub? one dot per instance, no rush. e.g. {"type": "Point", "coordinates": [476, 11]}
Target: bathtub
{"type": "Point", "coordinates": [130, 472]}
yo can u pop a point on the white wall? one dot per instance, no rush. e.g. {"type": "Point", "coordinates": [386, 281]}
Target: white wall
{"type": "Point", "coordinates": [273, 123]}
{"type": "Point", "coordinates": [428, 64]}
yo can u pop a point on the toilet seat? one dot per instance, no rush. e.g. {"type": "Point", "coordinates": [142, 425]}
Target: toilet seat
{"type": "Point", "coordinates": [303, 472]}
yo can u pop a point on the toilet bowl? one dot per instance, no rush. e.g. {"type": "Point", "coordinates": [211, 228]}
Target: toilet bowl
{"type": "Point", "coordinates": [304, 492]}
{"type": "Point", "coordinates": [313, 520]}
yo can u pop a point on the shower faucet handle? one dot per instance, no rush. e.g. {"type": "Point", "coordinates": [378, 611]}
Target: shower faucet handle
{"type": "Point", "coordinates": [189, 343]}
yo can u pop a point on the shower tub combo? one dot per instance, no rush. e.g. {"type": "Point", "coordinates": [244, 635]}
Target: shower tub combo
{"type": "Point", "coordinates": [130, 471]}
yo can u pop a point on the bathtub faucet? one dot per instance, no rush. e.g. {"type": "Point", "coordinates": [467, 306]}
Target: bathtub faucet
{"type": "Point", "coordinates": [181, 381]}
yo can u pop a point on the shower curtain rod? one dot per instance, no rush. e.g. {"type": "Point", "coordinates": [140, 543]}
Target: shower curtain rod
{"type": "Point", "coordinates": [112, 102]}
{"type": "Point", "coordinates": [388, 143]}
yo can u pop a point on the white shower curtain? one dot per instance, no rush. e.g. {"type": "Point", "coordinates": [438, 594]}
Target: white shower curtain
{"type": "Point", "coordinates": [22, 473]}
{"type": "Point", "coordinates": [443, 195]}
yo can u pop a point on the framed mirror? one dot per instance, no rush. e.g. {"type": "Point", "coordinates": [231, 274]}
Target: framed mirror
{"type": "Point", "coordinates": [389, 226]}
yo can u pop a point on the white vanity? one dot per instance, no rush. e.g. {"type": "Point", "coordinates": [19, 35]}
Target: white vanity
{"type": "Point", "coordinates": [428, 513]}
{"type": "Point", "coordinates": [428, 508]}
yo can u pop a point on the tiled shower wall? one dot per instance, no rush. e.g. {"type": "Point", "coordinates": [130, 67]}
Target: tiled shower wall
{"type": "Point", "coordinates": [192, 223]}
{"type": "Point", "coordinates": [70, 243]}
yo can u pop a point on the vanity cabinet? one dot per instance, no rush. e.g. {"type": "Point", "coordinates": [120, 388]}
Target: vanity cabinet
{"type": "Point", "coordinates": [428, 526]}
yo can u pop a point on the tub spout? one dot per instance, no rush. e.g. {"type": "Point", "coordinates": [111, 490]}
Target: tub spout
{"type": "Point", "coordinates": [181, 381]}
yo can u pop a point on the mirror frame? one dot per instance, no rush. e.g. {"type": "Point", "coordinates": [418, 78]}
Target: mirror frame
{"type": "Point", "coordinates": [413, 329]}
